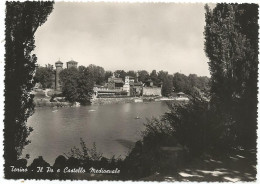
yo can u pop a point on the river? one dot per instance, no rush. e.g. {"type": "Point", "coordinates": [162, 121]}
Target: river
{"type": "Point", "coordinates": [114, 128]}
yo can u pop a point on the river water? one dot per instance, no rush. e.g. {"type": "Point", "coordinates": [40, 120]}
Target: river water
{"type": "Point", "coordinates": [114, 128]}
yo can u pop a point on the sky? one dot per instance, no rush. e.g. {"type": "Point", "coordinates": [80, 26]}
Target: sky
{"type": "Point", "coordinates": [127, 36]}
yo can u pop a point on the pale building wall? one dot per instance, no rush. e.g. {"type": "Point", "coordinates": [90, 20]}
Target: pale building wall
{"type": "Point", "coordinates": [148, 91]}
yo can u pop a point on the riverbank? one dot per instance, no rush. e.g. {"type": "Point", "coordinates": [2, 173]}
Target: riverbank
{"type": "Point", "coordinates": [43, 98]}
{"type": "Point", "coordinates": [45, 101]}
{"type": "Point", "coordinates": [118, 100]}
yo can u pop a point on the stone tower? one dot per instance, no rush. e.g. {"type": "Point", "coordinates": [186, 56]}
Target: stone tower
{"type": "Point", "coordinates": [127, 85]}
{"type": "Point", "coordinates": [58, 65]}
{"type": "Point", "coordinates": [71, 64]}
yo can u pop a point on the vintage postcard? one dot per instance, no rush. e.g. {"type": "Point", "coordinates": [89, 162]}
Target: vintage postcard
{"type": "Point", "coordinates": [120, 91]}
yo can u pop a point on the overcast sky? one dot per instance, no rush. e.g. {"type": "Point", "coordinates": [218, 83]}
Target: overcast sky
{"type": "Point", "coordinates": [135, 36]}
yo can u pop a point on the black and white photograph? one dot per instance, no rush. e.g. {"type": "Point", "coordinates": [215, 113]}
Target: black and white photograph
{"type": "Point", "coordinates": [130, 91]}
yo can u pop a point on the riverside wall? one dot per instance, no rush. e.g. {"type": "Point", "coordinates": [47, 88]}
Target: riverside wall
{"type": "Point", "coordinates": [100, 101]}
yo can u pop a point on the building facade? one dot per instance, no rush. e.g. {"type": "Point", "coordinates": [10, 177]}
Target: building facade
{"type": "Point", "coordinates": [58, 66]}
{"type": "Point", "coordinates": [72, 63]}
{"type": "Point", "coordinates": [116, 87]}
{"type": "Point", "coordinates": [152, 91]}
{"type": "Point", "coordinates": [115, 83]}
{"type": "Point", "coordinates": [129, 84]}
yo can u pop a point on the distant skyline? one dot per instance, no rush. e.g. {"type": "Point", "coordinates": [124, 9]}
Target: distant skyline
{"type": "Point", "coordinates": [127, 36]}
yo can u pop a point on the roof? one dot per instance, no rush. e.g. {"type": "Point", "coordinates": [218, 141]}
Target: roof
{"type": "Point", "coordinates": [130, 77]}
{"type": "Point", "coordinates": [118, 81]}
{"type": "Point", "coordinates": [59, 62]}
{"type": "Point", "coordinates": [115, 79]}
{"type": "Point", "coordinates": [71, 61]}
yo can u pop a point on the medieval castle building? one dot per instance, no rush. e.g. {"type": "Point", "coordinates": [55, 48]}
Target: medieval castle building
{"type": "Point", "coordinates": [114, 87]}
{"type": "Point", "coordinates": [59, 68]}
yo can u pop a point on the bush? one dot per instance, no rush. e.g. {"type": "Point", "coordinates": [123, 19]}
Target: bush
{"type": "Point", "coordinates": [146, 157]}
{"type": "Point", "coordinates": [192, 126]}
{"type": "Point", "coordinates": [89, 157]}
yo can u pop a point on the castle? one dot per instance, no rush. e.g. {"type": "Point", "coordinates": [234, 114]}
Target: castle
{"type": "Point", "coordinates": [115, 86]}
{"type": "Point", "coordinates": [59, 68]}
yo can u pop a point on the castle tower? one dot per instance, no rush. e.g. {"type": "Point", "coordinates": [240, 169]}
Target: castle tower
{"type": "Point", "coordinates": [71, 64]}
{"type": "Point", "coordinates": [126, 86]}
{"type": "Point", "coordinates": [127, 80]}
{"type": "Point", "coordinates": [58, 65]}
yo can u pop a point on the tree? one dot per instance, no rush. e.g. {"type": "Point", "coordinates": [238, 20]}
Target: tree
{"type": "Point", "coordinates": [77, 84]}
{"type": "Point", "coordinates": [143, 75]}
{"type": "Point", "coordinates": [197, 84]}
{"type": "Point", "coordinates": [167, 86]}
{"type": "Point", "coordinates": [69, 82]}
{"type": "Point", "coordinates": [231, 44]}
{"type": "Point", "coordinates": [195, 126]}
{"type": "Point", "coordinates": [203, 83]}
{"type": "Point", "coordinates": [193, 79]}
{"type": "Point", "coordinates": [22, 21]}
{"type": "Point", "coordinates": [154, 77]}
{"type": "Point", "coordinates": [191, 85]}
{"type": "Point", "coordinates": [85, 84]}
{"type": "Point", "coordinates": [107, 75]}
{"type": "Point", "coordinates": [187, 124]}
{"type": "Point", "coordinates": [120, 74]}
{"type": "Point", "coordinates": [181, 83]}
{"type": "Point", "coordinates": [162, 75]}
{"type": "Point", "coordinates": [44, 75]}
{"type": "Point", "coordinates": [98, 73]}
{"type": "Point", "coordinates": [132, 73]}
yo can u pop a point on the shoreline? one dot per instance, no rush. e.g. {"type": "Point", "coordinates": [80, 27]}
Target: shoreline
{"type": "Point", "coordinates": [45, 102]}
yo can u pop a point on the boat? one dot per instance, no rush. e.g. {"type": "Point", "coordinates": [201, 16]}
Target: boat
{"type": "Point", "coordinates": [137, 117]}
{"type": "Point", "coordinates": [77, 104]}
{"type": "Point", "coordinates": [138, 100]}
